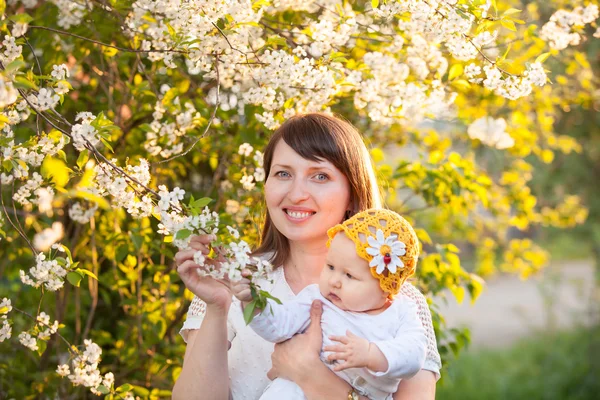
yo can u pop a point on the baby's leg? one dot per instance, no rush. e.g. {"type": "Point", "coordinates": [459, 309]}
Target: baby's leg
{"type": "Point", "coordinates": [281, 389]}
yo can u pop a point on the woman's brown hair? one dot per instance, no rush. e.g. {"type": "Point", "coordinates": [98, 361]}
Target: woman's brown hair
{"type": "Point", "coordinates": [318, 137]}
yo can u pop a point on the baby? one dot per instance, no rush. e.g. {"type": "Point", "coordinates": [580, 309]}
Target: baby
{"type": "Point", "coordinates": [371, 338]}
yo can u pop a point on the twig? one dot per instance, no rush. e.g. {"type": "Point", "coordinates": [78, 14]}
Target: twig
{"type": "Point", "coordinates": [22, 234]}
{"type": "Point", "coordinates": [123, 49]}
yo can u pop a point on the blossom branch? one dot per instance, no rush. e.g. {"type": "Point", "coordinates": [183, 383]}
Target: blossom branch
{"type": "Point", "coordinates": [212, 117]}
{"type": "Point", "coordinates": [123, 49]}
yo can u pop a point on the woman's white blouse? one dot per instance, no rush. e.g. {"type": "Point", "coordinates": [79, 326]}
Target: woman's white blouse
{"type": "Point", "coordinates": [250, 355]}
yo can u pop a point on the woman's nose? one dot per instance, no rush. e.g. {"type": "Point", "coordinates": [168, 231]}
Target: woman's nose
{"type": "Point", "coordinates": [298, 192]}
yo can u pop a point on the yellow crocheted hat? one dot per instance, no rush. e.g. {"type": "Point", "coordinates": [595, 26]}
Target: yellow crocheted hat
{"type": "Point", "coordinates": [386, 241]}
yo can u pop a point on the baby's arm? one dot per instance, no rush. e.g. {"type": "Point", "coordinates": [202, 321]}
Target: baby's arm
{"type": "Point", "coordinates": [279, 322]}
{"type": "Point", "coordinates": [356, 352]}
{"type": "Point", "coordinates": [407, 351]}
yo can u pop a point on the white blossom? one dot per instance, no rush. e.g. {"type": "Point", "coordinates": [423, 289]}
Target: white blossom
{"type": "Point", "coordinates": [232, 206]}
{"type": "Point", "coordinates": [60, 72]}
{"type": "Point", "coordinates": [247, 182]}
{"type": "Point", "coordinates": [28, 341]}
{"type": "Point", "coordinates": [8, 94]}
{"type": "Point", "coordinates": [43, 240]}
{"type": "Point", "coordinates": [245, 149]}
{"type": "Point", "coordinates": [559, 32]}
{"type": "Point", "coordinates": [491, 132]}
{"type": "Point", "coordinates": [63, 370]}
{"type": "Point", "coordinates": [5, 330]}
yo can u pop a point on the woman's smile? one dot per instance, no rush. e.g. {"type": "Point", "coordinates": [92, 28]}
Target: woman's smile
{"type": "Point", "coordinates": [296, 214]}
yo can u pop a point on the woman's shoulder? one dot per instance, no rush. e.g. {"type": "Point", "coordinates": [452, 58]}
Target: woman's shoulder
{"type": "Point", "coordinates": [409, 291]}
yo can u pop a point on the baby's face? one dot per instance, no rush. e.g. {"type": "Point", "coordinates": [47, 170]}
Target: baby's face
{"type": "Point", "coordinates": [346, 280]}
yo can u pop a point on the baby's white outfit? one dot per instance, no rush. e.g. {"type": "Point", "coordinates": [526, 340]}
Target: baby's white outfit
{"type": "Point", "coordinates": [249, 356]}
{"type": "Point", "coordinates": [397, 331]}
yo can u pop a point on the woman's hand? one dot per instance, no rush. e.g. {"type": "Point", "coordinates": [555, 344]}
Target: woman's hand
{"type": "Point", "coordinates": [295, 358]}
{"type": "Point", "coordinates": [241, 288]}
{"type": "Point", "coordinates": [212, 291]}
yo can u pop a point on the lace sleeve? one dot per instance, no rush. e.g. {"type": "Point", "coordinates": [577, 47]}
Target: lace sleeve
{"type": "Point", "coordinates": [433, 362]}
{"type": "Point", "coordinates": [195, 316]}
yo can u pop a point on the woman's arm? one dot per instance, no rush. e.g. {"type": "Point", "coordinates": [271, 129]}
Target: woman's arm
{"type": "Point", "coordinates": [205, 371]}
{"type": "Point", "coordinates": [419, 387]}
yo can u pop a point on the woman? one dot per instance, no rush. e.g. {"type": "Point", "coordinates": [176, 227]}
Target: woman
{"type": "Point", "coordinates": [318, 174]}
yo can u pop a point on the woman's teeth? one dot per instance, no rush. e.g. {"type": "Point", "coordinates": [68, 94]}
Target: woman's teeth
{"type": "Point", "coordinates": [298, 214]}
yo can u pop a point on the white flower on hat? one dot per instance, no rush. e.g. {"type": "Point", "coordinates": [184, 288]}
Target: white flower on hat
{"type": "Point", "coordinates": [386, 252]}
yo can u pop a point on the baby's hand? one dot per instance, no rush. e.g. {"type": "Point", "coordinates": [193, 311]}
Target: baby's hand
{"type": "Point", "coordinates": [353, 350]}
{"type": "Point", "coordinates": [241, 288]}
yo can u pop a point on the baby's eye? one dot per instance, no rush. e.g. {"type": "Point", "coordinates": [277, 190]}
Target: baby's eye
{"type": "Point", "coordinates": [349, 276]}
{"type": "Point", "coordinates": [330, 267]}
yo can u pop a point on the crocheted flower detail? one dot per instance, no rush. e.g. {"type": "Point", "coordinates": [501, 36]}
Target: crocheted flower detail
{"type": "Point", "coordinates": [386, 252]}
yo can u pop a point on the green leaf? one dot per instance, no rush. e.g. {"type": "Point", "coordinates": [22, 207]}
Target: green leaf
{"type": "Point", "coordinates": [74, 278]}
{"type": "Point", "coordinates": [453, 248]}
{"type": "Point", "coordinates": [86, 272]}
{"type": "Point", "coordinates": [201, 202]}
{"type": "Point", "coordinates": [269, 296]}
{"type": "Point", "coordinates": [475, 287]}
{"type": "Point", "coordinates": [42, 345]}
{"type": "Point", "coordinates": [103, 389]}
{"type": "Point", "coordinates": [13, 66]}
{"type": "Point", "coordinates": [83, 158]}
{"type": "Point", "coordinates": [260, 3]}
{"type": "Point", "coordinates": [7, 165]}
{"type": "Point", "coordinates": [459, 293]}
{"type": "Point", "coordinates": [183, 234]}
{"type": "Point", "coordinates": [461, 84]}
{"type": "Point", "coordinates": [511, 11]}
{"type": "Point", "coordinates": [56, 170]}
{"type": "Point", "coordinates": [25, 18]}
{"type": "Point", "coordinates": [121, 252]}
{"type": "Point", "coordinates": [423, 235]}
{"type": "Point", "coordinates": [68, 252]}
{"type": "Point", "coordinates": [21, 82]}
{"type": "Point", "coordinates": [508, 25]}
{"type": "Point", "coordinates": [249, 311]}
{"type": "Point", "coordinates": [101, 201]}
{"type": "Point", "coordinates": [124, 388]}
{"type": "Point", "coordinates": [276, 41]}
{"type": "Point", "coordinates": [141, 391]}
{"type": "Point", "coordinates": [542, 57]}
{"type": "Point", "coordinates": [109, 51]}
{"type": "Point", "coordinates": [108, 146]}
{"type": "Point", "coordinates": [505, 54]}
{"type": "Point", "coordinates": [455, 71]}
{"type": "Point", "coordinates": [137, 241]}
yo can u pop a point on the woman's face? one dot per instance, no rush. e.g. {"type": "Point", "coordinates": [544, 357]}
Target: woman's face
{"type": "Point", "coordinates": [305, 198]}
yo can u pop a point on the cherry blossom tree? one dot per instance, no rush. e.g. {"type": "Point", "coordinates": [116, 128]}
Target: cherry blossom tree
{"type": "Point", "coordinates": [128, 126]}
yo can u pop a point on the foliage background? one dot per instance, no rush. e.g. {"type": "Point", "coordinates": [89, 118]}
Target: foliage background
{"type": "Point", "coordinates": [476, 208]}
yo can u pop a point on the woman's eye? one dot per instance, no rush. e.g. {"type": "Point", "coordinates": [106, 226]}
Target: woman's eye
{"type": "Point", "coordinates": [321, 177]}
{"type": "Point", "coordinates": [282, 174]}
